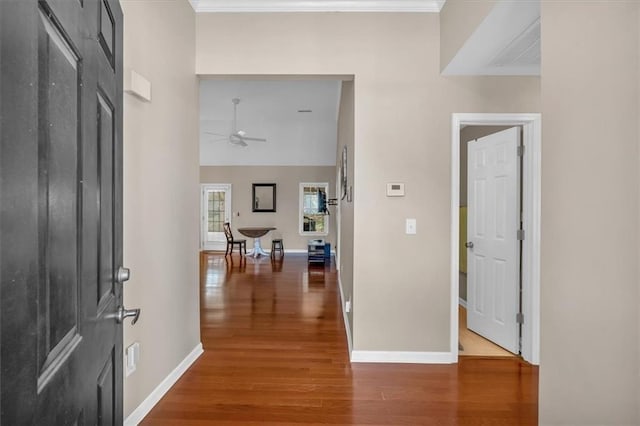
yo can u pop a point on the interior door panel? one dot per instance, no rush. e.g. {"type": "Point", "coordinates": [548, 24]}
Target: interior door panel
{"type": "Point", "coordinates": [493, 273]}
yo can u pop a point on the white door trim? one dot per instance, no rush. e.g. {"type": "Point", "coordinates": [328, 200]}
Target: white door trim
{"type": "Point", "coordinates": [531, 175]}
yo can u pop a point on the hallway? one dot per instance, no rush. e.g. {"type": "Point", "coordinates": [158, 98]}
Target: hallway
{"type": "Point", "coordinates": [276, 353]}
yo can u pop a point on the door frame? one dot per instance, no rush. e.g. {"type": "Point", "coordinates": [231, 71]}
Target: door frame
{"type": "Point", "coordinates": [531, 196]}
{"type": "Point", "coordinates": [203, 208]}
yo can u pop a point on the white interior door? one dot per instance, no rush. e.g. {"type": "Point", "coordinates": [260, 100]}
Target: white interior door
{"type": "Point", "coordinates": [493, 265]}
{"type": "Point", "coordinates": [216, 210]}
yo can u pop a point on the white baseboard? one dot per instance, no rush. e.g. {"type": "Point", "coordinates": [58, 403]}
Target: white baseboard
{"type": "Point", "coordinates": [462, 302]}
{"type": "Point", "coordinates": [345, 317]}
{"type": "Point", "coordinates": [403, 357]}
{"type": "Point", "coordinates": [267, 250]}
{"type": "Point", "coordinates": [147, 405]}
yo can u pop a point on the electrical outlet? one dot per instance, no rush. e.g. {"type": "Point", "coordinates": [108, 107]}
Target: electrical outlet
{"type": "Point", "coordinates": [347, 306]}
{"type": "Point", "coordinates": [132, 358]}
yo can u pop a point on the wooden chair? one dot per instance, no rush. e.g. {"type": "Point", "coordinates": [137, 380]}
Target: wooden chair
{"type": "Point", "coordinates": [242, 244]}
{"type": "Point", "coordinates": [276, 244]}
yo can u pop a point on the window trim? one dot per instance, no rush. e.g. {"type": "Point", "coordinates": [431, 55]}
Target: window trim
{"type": "Point", "coordinates": [301, 187]}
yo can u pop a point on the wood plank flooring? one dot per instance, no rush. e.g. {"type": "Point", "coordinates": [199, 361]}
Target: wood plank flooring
{"type": "Point", "coordinates": [276, 354]}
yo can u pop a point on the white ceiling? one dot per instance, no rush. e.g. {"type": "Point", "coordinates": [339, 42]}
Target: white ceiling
{"type": "Point", "coordinates": [269, 109]}
{"type": "Point", "coordinates": [317, 5]}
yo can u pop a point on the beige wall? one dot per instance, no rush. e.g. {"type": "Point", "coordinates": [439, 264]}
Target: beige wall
{"type": "Point", "coordinates": [160, 192]}
{"type": "Point", "coordinates": [458, 20]}
{"type": "Point", "coordinates": [285, 219]}
{"type": "Point", "coordinates": [345, 138]}
{"type": "Point", "coordinates": [402, 133]}
{"type": "Point", "coordinates": [589, 279]}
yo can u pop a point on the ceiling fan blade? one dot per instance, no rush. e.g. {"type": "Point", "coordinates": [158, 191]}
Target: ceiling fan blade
{"type": "Point", "coordinates": [216, 137]}
{"type": "Point", "coordinates": [216, 134]}
{"type": "Point", "coordinates": [240, 142]}
{"type": "Point", "coordinates": [253, 139]}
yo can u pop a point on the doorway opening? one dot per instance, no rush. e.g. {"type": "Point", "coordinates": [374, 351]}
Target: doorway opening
{"type": "Point", "coordinates": [529, 257]}
{"type": "Point", "coordinates": [490, 212]}
{"type": "Point", "coordinates": [285, 130]}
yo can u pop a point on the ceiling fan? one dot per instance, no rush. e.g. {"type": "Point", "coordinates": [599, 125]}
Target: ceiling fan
{"type": "Point", "coordinates": [237, 137]}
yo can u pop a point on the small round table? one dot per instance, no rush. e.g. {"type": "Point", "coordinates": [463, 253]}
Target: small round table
{"type": "Point", "coordinates": [256, 232]}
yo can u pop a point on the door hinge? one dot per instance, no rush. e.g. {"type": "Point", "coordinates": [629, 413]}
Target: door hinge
{"type": "Point", "coordinates": [520, 318]}
{"type": "Point", "coordinates": [520, 234]}
{"type": "Point", "coordinates": [521, 151]}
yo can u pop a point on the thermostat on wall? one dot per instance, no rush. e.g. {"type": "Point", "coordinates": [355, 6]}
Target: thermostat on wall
{"type": "Point", "coordinates": [395, 190]}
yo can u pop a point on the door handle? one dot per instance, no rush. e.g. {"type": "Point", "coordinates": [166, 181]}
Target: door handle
{"type": "Point", "coordinates": [122, 314]}
{"type": "Point", "coordinates": [469, 245]}
{"type": "Point", "coordinates": [123, 275]}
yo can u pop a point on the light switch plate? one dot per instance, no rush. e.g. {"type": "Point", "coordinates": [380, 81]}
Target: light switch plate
{"type": "Point", "coordinates": [132, 358]}
{"type": "Point", "coordinates": [410, 227]}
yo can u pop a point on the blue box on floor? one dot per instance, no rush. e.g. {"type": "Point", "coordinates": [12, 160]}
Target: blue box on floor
{"type": "Point", "coordinates": [327, 254]}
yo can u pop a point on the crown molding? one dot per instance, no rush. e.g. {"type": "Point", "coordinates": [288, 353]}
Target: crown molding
{"type": "Point", "coordinates": [237, 6]}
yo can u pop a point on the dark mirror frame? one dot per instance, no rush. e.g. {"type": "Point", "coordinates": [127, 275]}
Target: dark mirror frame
{"type": "Point", "coordinates": [254, 202]}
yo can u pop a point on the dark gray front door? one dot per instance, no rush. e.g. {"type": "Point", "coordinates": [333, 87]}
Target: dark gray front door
{"type": "Point", "coordinates": [60, 212]}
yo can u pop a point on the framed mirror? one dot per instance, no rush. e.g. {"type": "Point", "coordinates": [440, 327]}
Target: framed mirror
{"type": "Point", "coordinates": [263, 197]}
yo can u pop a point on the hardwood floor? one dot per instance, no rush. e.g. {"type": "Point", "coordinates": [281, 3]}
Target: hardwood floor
{"type": "Point", "coordinates": [276, 354]}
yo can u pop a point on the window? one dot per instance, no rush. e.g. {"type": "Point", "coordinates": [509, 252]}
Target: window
{"type": "Point", "coordinates": [215, 210]}
{"type": "Point", "coordinates": [314, 219]}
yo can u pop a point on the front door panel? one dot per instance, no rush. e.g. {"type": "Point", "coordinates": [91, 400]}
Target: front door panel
{"type": "Point", "coordinates": [61, 222]}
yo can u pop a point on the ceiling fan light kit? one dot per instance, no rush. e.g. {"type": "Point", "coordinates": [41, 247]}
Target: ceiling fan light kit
{"type": "Point", "coordinates": [237, 137]}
